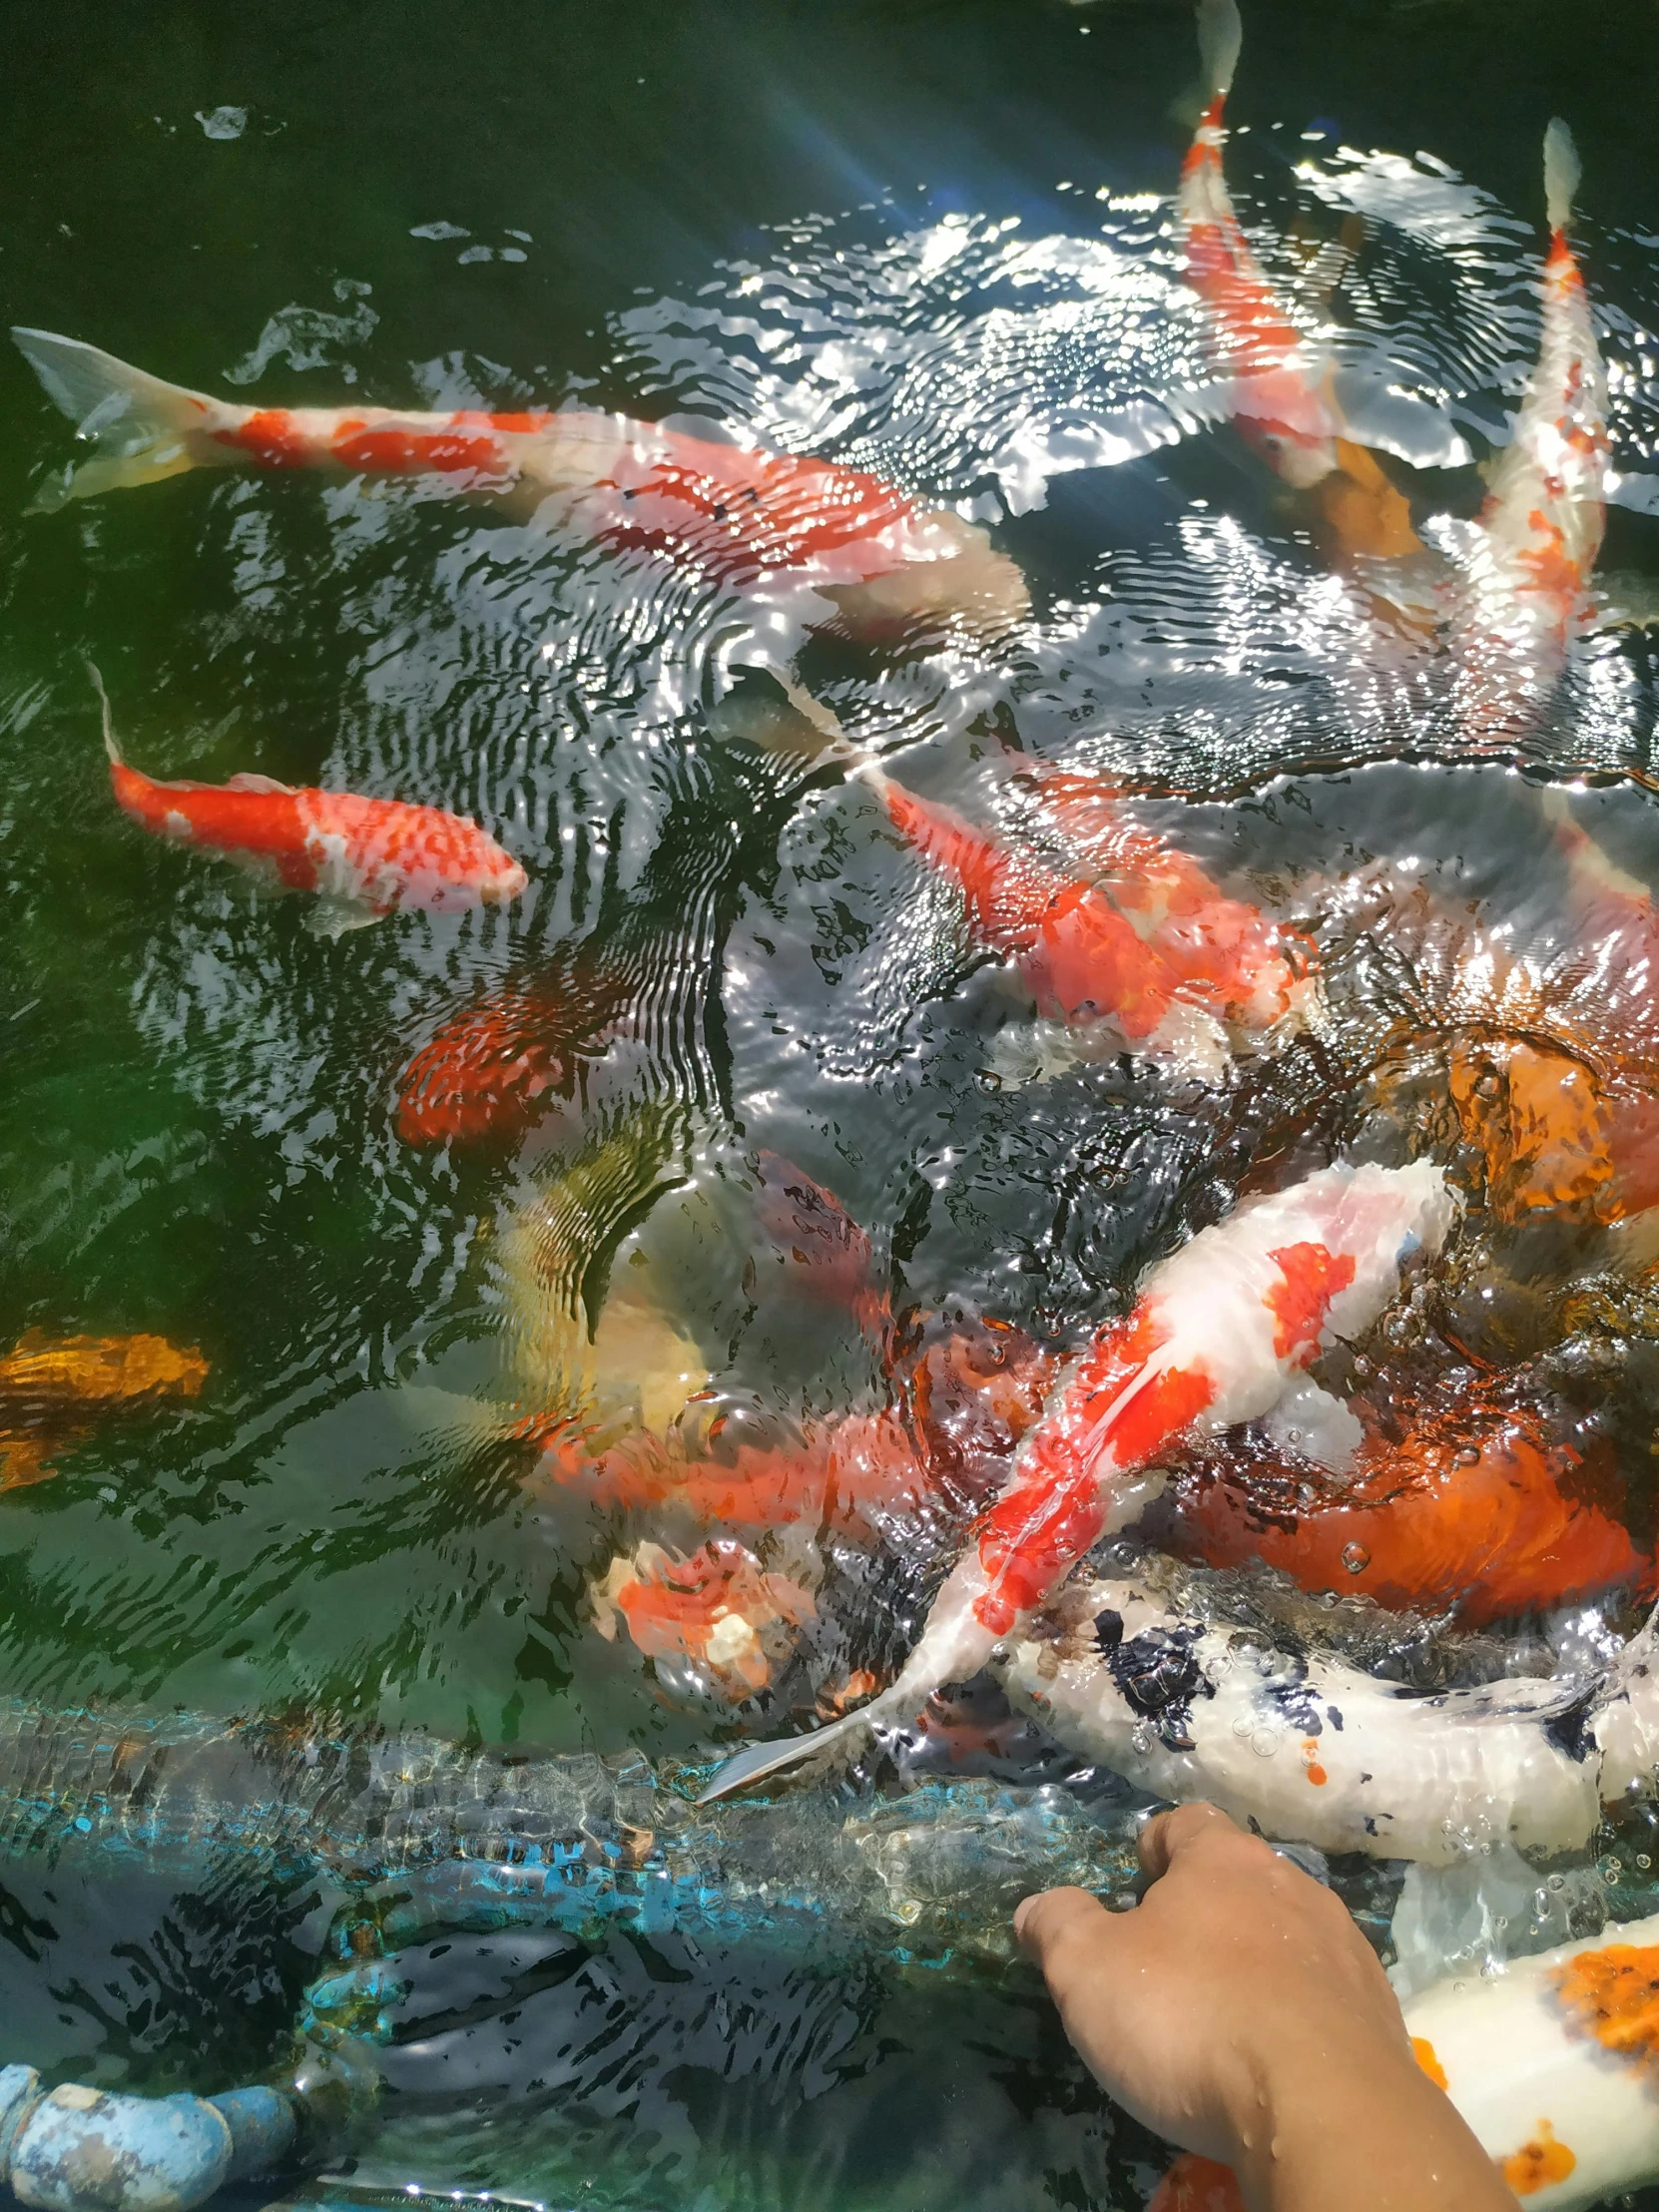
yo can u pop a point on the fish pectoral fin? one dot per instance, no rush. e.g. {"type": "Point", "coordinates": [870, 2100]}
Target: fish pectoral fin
{"type": "Point", "coordinates": [333, 917]}
{"type": "Point", "coordinates": [760, 1762]}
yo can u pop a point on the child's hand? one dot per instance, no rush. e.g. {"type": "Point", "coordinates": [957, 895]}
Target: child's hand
{"type": "Point", "coordinates": [1240, 2012]}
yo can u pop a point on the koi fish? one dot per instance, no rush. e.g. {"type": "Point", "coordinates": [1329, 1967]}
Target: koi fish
{"type": "Point", "coordinates": [1476, 1510]}
{"type": "Point", "coordinates": [831, 1255]}
{"type": "Point", "coordinates": [855, 1477]}
{"type": "Point", "coordinates": [1553, 2062]}
{"type": "Point", "coordinates": [55, 1391]}
{"type": "Point", "coordinates": [1278, 396]}
{"type": "Point", "coordinates": [1534, 546]}
{"type": "Point", "coordinates": [1154, 952]}
{"type": "Point", "coordinates": [1303, 1745]}
{"type": "Point", "coordinates": [709, 1613]}
{"type": "Point", "coordinates": [362, 857]}
{"type": "Point", "coordinates": [1252, 971]}
{"type": "Point", "coordinates": [1221, 1328]}
{"type": "Point", "coordinates": [745, 516]}
{"type": "Point", "coordinates": [490, 1072]}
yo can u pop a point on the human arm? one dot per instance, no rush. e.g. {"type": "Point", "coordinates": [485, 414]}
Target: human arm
{"type": "Point", "coordinates": [1240, 2012]}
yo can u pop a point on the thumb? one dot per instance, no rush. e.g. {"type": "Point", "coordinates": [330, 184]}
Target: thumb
{"type": "Point", "coordinates": [1060, 1922]}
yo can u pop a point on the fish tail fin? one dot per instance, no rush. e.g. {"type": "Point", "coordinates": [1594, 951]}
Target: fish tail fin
{"type": "Point", "coordinates": [143, 429]}
{"type": "Point", "coordinates": [110, 746]}
{"type": "Point", "coordinates": [760, 1762]}
{"type": "Point", "coordinates": [1562, 171]}
{"type": "Point", "coordinates": [1220, 36]}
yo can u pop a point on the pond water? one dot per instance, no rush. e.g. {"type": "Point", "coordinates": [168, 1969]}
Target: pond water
{"type": "Point", "coordinates": [936, 241]}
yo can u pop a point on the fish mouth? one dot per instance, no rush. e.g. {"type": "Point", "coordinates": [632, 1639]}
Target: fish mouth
{"type": "Point", "coordinates": [504, 888]}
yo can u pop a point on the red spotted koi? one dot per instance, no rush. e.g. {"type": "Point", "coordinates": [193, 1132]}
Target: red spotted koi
{"type": "Point", "coordinates": [751, 518]}
{"type": "Point", "coordinates": [1535, 544]}
{"type": "Point", "coordinates": [1220, 1331]}
{"type": "Point", "coordinates": [1278, 390]}
{"type": "Point", "coordinates": [362, 857]}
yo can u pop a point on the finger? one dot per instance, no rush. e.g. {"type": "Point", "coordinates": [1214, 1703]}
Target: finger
{"type": "Point", "coordinates": [1166, 1836]}
{"type": "Point", "coordinates": [1057, 1921]}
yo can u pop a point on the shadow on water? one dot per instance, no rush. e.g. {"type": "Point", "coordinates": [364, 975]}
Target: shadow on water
{"type": "Point", "coordinates": [930, 239]}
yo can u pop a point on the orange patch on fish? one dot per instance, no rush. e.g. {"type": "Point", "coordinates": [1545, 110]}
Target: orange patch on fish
{"type": "Point", "coordinates": [1423, 2052]}
{"type": "Point", "coordinates": [1310, 1278]}
{"type": "Point", "coordinates": [1538, 2164]}
{"type": "Point", "coordinates": [1540, 1120]}
{"type": "Point", "coordinates": [1195, 2184]}
{"type": "Point", "coordinates": [450, 452]}
{"type": "Point", "coordinates": [271, 437]}
{"type": "Point", "coordinates": [1311, 1765]}
{"type": "Point", "coordinates": [1476, 1505]}
{"type": "Point", "coordinates": [1613, 1995]}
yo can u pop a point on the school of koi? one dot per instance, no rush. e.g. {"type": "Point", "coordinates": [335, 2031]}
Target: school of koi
{"type": "Point", "coordinates": [1254, 1406]}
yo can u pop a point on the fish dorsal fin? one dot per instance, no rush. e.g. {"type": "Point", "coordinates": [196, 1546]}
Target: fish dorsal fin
{"type": "Point", "coordinates": [1562, 171]}
{"type": "Point", "coordinates": [1220, 36]}
{"type": "Point", "coordinates": [245, 780]}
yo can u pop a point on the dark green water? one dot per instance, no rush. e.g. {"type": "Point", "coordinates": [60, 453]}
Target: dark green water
{"type": "Point", "coordinates": [919, 236]}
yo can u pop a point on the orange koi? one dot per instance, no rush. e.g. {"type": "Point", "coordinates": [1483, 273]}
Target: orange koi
{"type": "Point", "coordinates": [714, 1613]}
{"type": "Point", "coordinates": [55, 1391]}
{"type": "Point", "coordinates": [1079, 955]}
{"type": "Point", "coordinates": [1279, 396]}
{"type": "Point", "coordinates": [491, 1070]}
{"type": "Point", "coordinates": [747, 517]}
{"type": "Point", "coordinates": [1476, 1507]}
{"type": "Point", "coordinates": [854, 1477]}
{"type": "Point", "coordinates": [362, 857]}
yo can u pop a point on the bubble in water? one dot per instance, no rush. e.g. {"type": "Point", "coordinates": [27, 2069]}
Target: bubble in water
{"type": "Point", "coordinates": [1356, 1558]}
{"type": "Point", "coordinates": [1264, 1743]}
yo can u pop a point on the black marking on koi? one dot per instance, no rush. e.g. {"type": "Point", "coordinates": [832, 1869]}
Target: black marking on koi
{"type": "Point", "coordinates": [1157, 1674]}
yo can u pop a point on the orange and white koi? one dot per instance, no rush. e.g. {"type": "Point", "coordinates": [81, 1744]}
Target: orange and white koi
{"type": "Point", "coordinates": [1250, 970]}
{"type": "Point", "coordinates": [1279, 392]}
{"type": "Point", "coordinates": [1151, 950]}
{"type": "Point", "coordinates": [55, 1391]}
{"type": "Point", "coordinates": [362, 857]}
{"type": "Point", "coordinates": [712, 1616]}
{"type": "Point", "coordinates": [1550, 2060]}
{"type": "Point", "coordinates": [749, 519]}
{"type": "Point", "coordinates": [1219, 1332]}
{"type": "Point", "coordinates": [1531, 553]}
